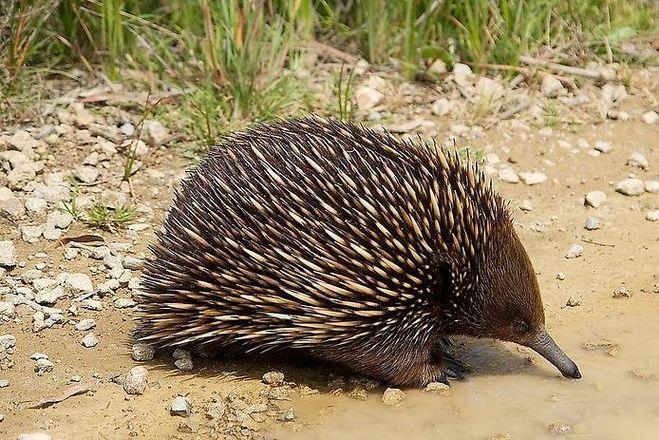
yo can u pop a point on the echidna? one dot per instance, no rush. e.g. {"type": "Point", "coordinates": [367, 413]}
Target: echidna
{"type": "Point", "coordinates": [345, 244]}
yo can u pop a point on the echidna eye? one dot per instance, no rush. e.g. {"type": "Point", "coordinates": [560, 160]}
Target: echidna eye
{"type": "Point", "coordinates": [521, 326]}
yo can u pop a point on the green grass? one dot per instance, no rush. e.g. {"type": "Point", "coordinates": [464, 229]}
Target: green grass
{"type": "Point", "coordinates": [240, 54]}
{"type": "Point", "coordinates": [102, 217]}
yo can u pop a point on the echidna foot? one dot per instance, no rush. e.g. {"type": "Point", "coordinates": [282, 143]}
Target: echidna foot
{"type": "Point", "coordinates": [447, 365]}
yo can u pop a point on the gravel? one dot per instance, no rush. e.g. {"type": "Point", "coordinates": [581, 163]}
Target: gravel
{"type": "Point", "coordinates": [650, 117]}
{"type": "Point", "coordinates": [80, 282]}
{"type": "Point", "coordinates": [273, 378]}
{"type": "Point", "coordinates": [142, 352]}
{"type": "Point", "coordinates": [532, 177]}
{"type": "Point", "coordinates": [215, 409]}
{"type": "Point", "coordinates": [181, 406]}
{"type": "Point", "coordinates": [622, 292]}
{"type": "Point", "coordinates": [507, 174]}
{"type": "Point", "coordinates": [183, 359]}
{"type": "Point", "coordinates": [89, 341]}
{"type": "Point", "coordinates": [7, 341]}
{"type": "Point", "coordinates": [85, 325]}
{"type": "Point", "coordinates": [34, 436]}
{"type": "Point", "coordinates": [592, 223]}
{"type": "Point", "coordinates": [392, 396]}
{"type": "Point", "coordinates": [631, 187]}
{"type": "Point", "coordinates": [136, 380]}
{"type": "Point", "coordinates": [7, 254]}
{"type": "Point", "coordinates": [573, 302]}
{"type": "Point", "coordinates": [575, 251]}
{"type": "Point", "coordinates": [594, 198]}
{"type": "Point", "coordinates": [438, 388]}
{"type": "Point", "coordinates": [43, 366]}
{"type": "Point", "coordinates": [638, 160]}
{"type": "Point", "coordinates": [603, 147]}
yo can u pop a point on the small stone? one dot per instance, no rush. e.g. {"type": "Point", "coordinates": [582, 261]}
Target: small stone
{"type": "Point", "coordinates": [10, 204]}
{"type": "Point", "coordinates": [367, 97]}
{"type": "Point", "coordinates": [86, 174]}
{"type": "Point", "coordinates": [603, 147]}
{"type": "Point", "coordinates": [438, 388]}
{"type": "Point", "coordinates": [123, 303]}
{"type": "Point", "coordinates": [561, 276]}
{"type": "Point", "coordinates": [288, 416]}
{"type": "Point", "coordinates": [631, 187]}
{"type": "Point", "coordinates": [35, 205]}
{"type": "Point", "coordinates": [575, 251]}
{"type": "Point", "coordinates": [215, 410]}
{"type": "Point", "coordinates": [638, 160]}
{"type": "Point", "coordinates": [551, 87]}
{"type": "Point", "coordinates": [573, 302]}
{"type": "Point", "coordinates": [525, 205]}
{"type": "Point", "coordinates": [652, 216]}
{"type": "Point", "coordinates": [127, 129]}
{"type": "Point", "coordinates": [80, 282]}
{"type": "Point", "coordinates": [156, 133]}
{"type": "Point", "coordinates": [7, 309]}
{"type": "Point", "coordinates": [4, 383]}
{"type": "Point", "coordinates": [31, 234]}
{"type": "Point", "coordinates": [441, 107]}
{"type": "Point", "coordinates": [36, 356]}
{"type": "Point", "coordinates": [507, 174]}
{"type": "Point", "coordinates": [7, 341]}
{"type": "Point", "coordinates": [142, 352]}
{"type": "Point", "coordinates": [532, 177]}
{"type": "Point", "coordinates": [559, 428]}
{"type": "Point", "coordinates": [273, 378]}
{"type": "Point", "coordinates": [136, 380]}
{"type": "Point", "coordinates": [85, 325]}
{"type": "Point", "coordinates": [592, 223]}
{"type": "Point", "coordinates": [183, 359]}
{"type": "Point", "coordinates": [595, 198]}
{"type": "Point", "coordinates": [358, 392]}
{"type": "Point", "coordinates": [34, 436]}
{"type": "Point", "coordinates": [7, 254]}
{"type": "Point", "coordinates": [49, 297]}
{"type": "Point", "coordinates": [91, 304]}
{"type": "Point", "coordinates": [89, 341]}
{"type": "Point", "coordinates": [180, 406]}
{"type": "Point", "coordinates": [131, 262]}
{"type": "Point", "coordinates": [622, 292]}
{"type": "Point", "coordinates": [58, 219]}
{"type": "Point", "coordinates": [652, 186]}
{"type": "Point", "coordinates": [650, 117]}
{"type": "Point", "coordinates": [43, 366]}
{"type": "Point", "coordinates": [392, 396]}
{"type": "Point", "coordinates": [462, 74]}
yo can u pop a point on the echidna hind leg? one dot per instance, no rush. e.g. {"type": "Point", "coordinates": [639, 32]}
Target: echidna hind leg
{"type": "Point", "coordinates": [448, 367]}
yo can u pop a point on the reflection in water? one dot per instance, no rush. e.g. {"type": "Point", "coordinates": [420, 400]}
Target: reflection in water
{"type": "Point", "coordinates": [513, 391]}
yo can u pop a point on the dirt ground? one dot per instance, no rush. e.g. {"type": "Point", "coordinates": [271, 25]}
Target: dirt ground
{"type": "Point", "coordinates": [511, 392]}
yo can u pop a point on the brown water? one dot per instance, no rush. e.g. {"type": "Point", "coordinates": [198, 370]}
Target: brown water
{"type": "Point", "coordinates": [617, 398]}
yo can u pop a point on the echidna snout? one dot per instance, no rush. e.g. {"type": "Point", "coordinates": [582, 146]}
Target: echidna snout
{"type": "Point", "coordinates": [341, 243]}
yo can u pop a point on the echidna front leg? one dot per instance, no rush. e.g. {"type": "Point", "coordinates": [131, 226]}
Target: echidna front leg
{"type": "Point", "coordinates": [445, 365]}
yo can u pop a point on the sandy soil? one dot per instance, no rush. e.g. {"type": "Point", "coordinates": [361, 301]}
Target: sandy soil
{"type": "Point", "coordinates": [511, 393]}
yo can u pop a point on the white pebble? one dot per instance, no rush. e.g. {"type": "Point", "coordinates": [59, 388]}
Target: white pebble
{"type": "Point", "coordinates": [575, 251]}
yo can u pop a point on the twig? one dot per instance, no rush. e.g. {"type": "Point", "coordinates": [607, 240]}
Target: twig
{"type": "Point", "coordinates": [69, 392]}
{"type": "Point", "coordinates": [588, 240]}
{"type": "Point", "coordinates": [570, 70]}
